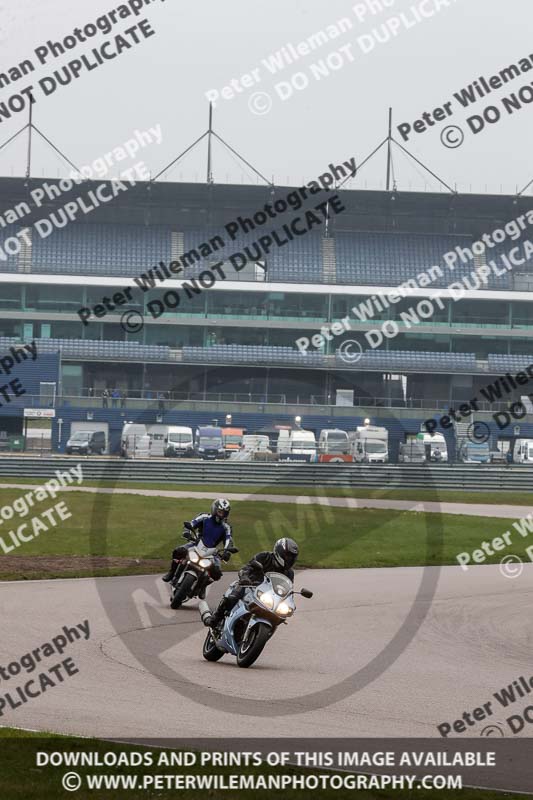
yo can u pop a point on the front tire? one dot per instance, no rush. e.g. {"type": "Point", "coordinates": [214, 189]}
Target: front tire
{"type": "Point", "coordinates": [183, 592]}
{"type": "Point", "coordinates": [250, 651]}
{"type": "Point", "coordinates": [210, 651]}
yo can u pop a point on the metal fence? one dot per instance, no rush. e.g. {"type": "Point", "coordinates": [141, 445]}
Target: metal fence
{"type": "Point", "coordinates": [349, 476]}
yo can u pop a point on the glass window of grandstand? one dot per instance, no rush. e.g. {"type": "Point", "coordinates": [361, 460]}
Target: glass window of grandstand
{"type": "Point", "coordinates": [479, 313]}
{"type": "Point", "coordinates": [193, 306]}
{"type": "Point", "coordinates": [11, 328]}
{"type": "Point", "coordinates": [10, 296]}
{"type": "Point", "coordinates": [242, 336]}
{"type": "Point", "coordinates": [419, 308]}
{"type": "Point", "coordinates": [174, 336]}
{"type": "Point", "coordinates": [519, 347]}
{"type": "Point", "coordinates": [522, 315]}
{"type": "Point", "coordinates": [96, 294]}
{"type": "Point", "coordinates": [299, 306]}
{"type": "Point", "coordinates": [58, 330]}
{"type": "Point", "coordinates": [53, 298]}
{"type": "Point", "coordinates": [481, 346]}
{"type": "Point", "coordinates": [429, 343]}
{"type": "Point", "coordinates": [237, 304]}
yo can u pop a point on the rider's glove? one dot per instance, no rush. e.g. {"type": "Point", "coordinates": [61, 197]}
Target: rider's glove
{"type": "Point", "coordinates": [226, 555]}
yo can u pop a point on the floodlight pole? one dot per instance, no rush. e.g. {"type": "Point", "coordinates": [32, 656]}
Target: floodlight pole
{"type": "Point", "coordinates": [389, 154]}
{"type": "Point", "coordinates": [209, 138]}
{"type": "Point", "coordinates": [30, 130]}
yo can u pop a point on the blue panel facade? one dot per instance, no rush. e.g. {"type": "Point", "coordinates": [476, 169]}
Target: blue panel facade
{"type": "Point", "coordinates": [30, 373]}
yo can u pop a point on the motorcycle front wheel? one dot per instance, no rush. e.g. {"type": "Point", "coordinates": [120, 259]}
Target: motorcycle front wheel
{"type": "Point", "coordinates": [249, 651]}
{"type": "Point", "coordinates": [183, 591]}
{"type": "Point", "coordinates": [211, 652]}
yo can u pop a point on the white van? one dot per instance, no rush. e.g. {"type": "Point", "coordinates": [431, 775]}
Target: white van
{"type": "Point", "coordinates": [157, 434]}
{"type": "Point", "coordinates": [436, 449]}
{"type": "Point", "coordinates": [369, 444]}
{"type": "Point", "coordinates": [257, 443]}
{"type": "Point", "coordinates": [333, 440]}
{"type": "Point", "coordinates": [179, 442]}
{"type": "Point", "coordinates": [297, 445]}
{"type": "Point", "coordinates": [134, 441]}
{"type": "Point", "coordinates": [523, 451]}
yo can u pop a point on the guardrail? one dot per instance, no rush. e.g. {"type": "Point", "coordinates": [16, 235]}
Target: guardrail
{"type": "Point", "coordinates": [349, 476]}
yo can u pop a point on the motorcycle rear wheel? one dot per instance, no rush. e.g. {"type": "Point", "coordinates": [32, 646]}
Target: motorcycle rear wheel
{"type": "Point", "coordinates": [183, 592]}
{"type": "Point", "coordinates": [210, 651]}
{"type": "Point", "coordinates": [249, 652]}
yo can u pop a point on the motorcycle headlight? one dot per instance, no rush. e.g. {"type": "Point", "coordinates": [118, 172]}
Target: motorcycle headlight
{"type": "Point", "coordinates": [194, 557]}
{"type": "Point", "coordinates": [205, 563]}
{"type": "Point", "coordinates": [284, 609]}
{"type": "Point", "coordinates": [266, 598]}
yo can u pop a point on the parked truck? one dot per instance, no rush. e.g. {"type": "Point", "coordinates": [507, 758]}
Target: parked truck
{"type": "Point", "coordinates": [232, 438]}
{"type": "Point", "coordinates": [369, 444]}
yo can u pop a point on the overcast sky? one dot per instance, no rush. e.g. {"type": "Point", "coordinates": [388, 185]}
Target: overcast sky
{"type": "Point", "coordinates": [201, 46]}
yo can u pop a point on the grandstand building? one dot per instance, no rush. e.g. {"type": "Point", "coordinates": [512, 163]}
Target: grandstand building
{"type": "Point", "coordinates": [230, 345]}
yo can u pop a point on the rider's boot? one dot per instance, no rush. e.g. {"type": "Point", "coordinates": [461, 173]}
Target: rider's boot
{"type": "Point", "coordinates": [205, 613]}
{"type": "Point", "coordinates": [170, 574]}
{"type": "Point", "coordinates": [219, 614]}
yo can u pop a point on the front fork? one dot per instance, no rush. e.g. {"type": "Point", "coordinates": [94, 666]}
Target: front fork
{"type": "Point", "coordinates": [251, 623]}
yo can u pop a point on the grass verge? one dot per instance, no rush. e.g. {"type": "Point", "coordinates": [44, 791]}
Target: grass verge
{"type": "Point", "coordinates": [137, 528]}
{"type": "Point", "coordinates": [432, 495]}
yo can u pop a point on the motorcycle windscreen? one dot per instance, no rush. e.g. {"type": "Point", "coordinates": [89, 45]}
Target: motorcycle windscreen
{"type": "Point", "coordinates": [280, 583]}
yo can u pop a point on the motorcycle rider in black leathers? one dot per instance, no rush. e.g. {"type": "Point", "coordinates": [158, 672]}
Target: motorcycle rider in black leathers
{"type": "Point", "coordinates": [281, 559]}
{"type": "Point", "coordinates": [212, 529]}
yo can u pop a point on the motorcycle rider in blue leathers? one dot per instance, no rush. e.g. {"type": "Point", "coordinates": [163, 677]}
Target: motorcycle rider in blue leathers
{"type": "Point", "coordinates": [212, 530]}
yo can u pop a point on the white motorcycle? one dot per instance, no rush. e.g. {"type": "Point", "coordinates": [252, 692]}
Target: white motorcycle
{"type": "Point", "coordinates": [253, 621]}
{"type": "Point", "coordinates": [197, 570]}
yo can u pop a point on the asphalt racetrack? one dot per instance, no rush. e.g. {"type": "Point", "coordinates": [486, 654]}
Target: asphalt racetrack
{"type": "Point", "coordinates": [427, 506]}
{"type": "Point", "coordinates": [142, 674]}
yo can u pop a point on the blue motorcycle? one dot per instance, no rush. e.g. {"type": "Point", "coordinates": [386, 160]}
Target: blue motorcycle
{"type": "Point", "coordinates": [253, 621]}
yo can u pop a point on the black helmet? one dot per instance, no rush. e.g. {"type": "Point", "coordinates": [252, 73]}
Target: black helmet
{"type": "Point", "coordinates": [285, 552]}
{"type": "Point", "coordinates": [220, 508]}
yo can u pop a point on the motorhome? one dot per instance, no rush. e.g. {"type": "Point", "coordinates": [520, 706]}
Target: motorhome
{"type": "Point", "coordinates": [208, 442]}
{"type": "Point", "coordinates": [134, 441]}
{"type": "Point", "coordinates": [178, 442]}
{"type": "Point", "coordinates": [232, 438]}
{"type": "Point", "coordinates": [369, 444]}
{"type": "Point", "coordinates": [333, 440]}
{"type": "Point", "coordinates": [523, 451]}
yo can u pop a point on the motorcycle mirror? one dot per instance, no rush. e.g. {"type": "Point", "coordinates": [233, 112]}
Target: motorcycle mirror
{"type": "Point", "coordinates": [306, 593]}
{"type": "Point", "coordinates": [233, 550]}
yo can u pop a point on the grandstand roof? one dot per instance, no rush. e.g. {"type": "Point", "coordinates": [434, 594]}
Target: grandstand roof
{"type": "Point", "coordinates": [193, 205]}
